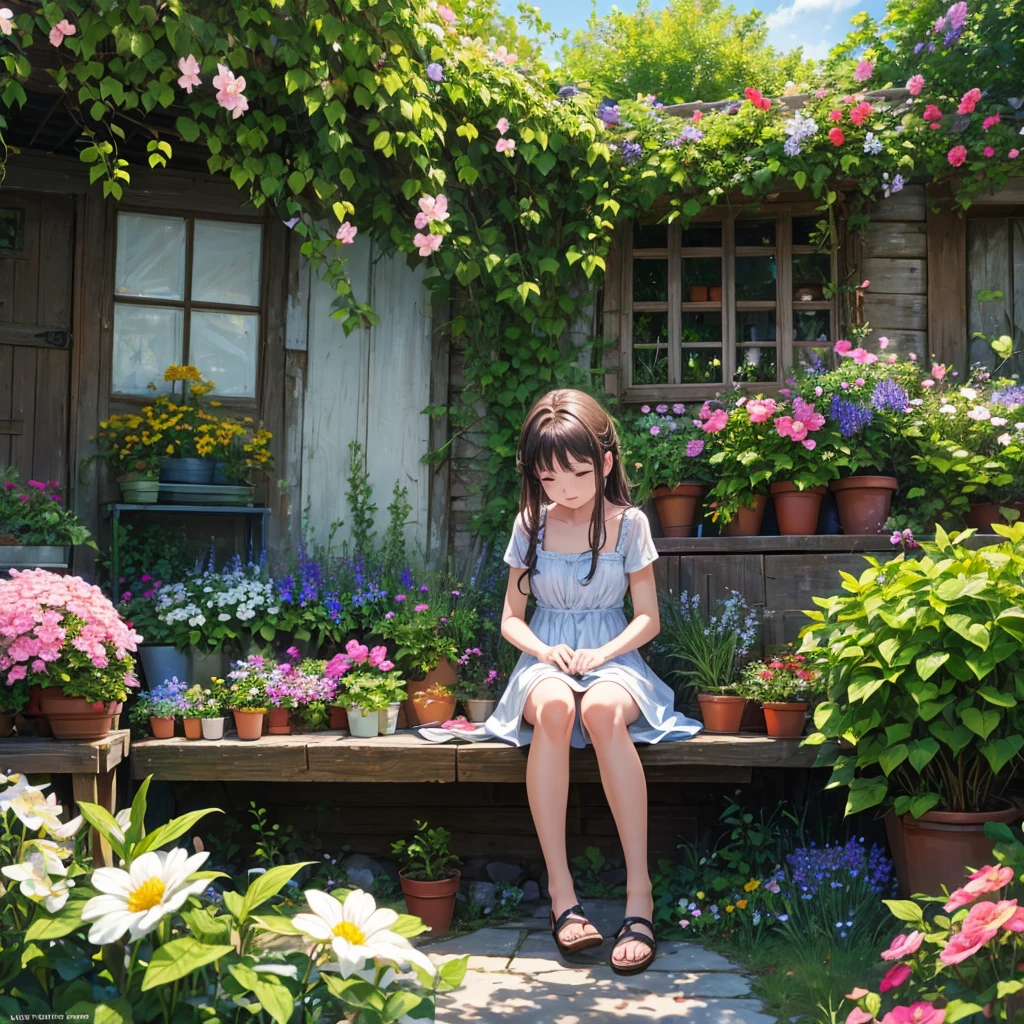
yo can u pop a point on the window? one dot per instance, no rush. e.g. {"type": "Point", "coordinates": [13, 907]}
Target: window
{"type": "Point", "coordinates": [187, 290]}
{"type": "Point", "coordinates": [995, 288]}
{"type": "Point", "coordinates": [735, 299]}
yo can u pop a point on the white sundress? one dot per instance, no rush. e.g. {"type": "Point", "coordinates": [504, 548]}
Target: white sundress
{"type": "Point", "coordinates": [587, 616]}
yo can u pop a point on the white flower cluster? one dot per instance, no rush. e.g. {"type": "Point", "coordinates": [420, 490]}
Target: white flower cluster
{"type": "Point", "coordinates": [799, 129]}
{"type": "Point", "coordinates": [221, 596]}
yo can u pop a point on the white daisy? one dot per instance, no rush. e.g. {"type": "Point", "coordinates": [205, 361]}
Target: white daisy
{"type": "Point", "coordinates": [32, 808]}
{"type": "Point", "coordinates": [134, 901]}
{"type": "Point", "coordinates": [357, 931]}
{"type": "Point", "coordinates": [33, 874]}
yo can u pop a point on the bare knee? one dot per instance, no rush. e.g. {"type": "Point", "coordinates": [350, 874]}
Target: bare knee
{"type": "Point", "coordinates": [605, 715]}
{"type": "Point", "coordinates": [551, 707]}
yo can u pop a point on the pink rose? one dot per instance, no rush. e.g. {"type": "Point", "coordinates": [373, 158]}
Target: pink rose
{"type": "Point", "coordinates": [932, 113]}
{"type": "Point", "coordinates": [894, 977]}
{"type": "Point", "coordinates": [969, 101]}
{"type": "Point", "coordinates": [903, 945]}
{"type": "Point", "coordinates": [716, 422]}
{"type": "Point", "coordinates": [938, 372]}
{"type": "Point", "coordinates": [842, 346]}
{"type": "Point", "coordinates": [761, 409]}
{"type": "Point", "coordinates": [915, 85]}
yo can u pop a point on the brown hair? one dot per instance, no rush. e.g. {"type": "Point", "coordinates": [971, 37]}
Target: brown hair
{"type": "Point", "coordinates": [563, 426]}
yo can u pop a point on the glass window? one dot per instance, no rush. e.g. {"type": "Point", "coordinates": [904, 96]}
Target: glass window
{"type": "Point", "coordinates": [650, 280]}
{"type": "Point", "coordinates": [156, 322]}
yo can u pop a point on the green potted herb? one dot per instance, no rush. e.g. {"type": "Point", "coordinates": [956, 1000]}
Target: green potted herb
{"type": "Point", "coordinates": [35, 527]}
{"type": "Point", "coordinates": [207, 707]}
{"type": "Point", "coordinates": [429, 878]}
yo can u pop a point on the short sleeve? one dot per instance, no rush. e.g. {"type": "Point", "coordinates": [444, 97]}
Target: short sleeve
{"type": "Point", "coordinates": [640, 550]}
{"type": "Point", "coordinates": [515, 553]}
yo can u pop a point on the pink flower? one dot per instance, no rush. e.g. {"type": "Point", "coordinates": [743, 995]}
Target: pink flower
{"type": "Point", "coordinates": [6, 22]}
{"type": "Point", "coordinates": [819, 391]}
{"type": "Point", "coordinates": [59, 31]}
{"type": "Point", "coordinates": [836, 137]}
{"type": "Point", "coordinates": [865, 69]}
{"type": "Point", "coordinates": [915, 85]}
{"type": "Point", "coordinates": [861, 113]}
{"type": "Point", "coordinates": [431, 208]}
{"type": "Point", "coordinates": [655, 430]}
{"type": "Point", "coordinates": [1013, 154]}
{"type": "Point", "coordinates": [913, 358]}
{"type": "Point", "coordinates": [230, 91]}
{"type": "Point", "coordinates": [835, 115]}
{"type": "Point", "coordinates": [986, 879]}
{"type": "Point", "coordinates": [883, 342]}
{"type": "Point", "coordinates": [810, 444]}
{"type": "Point", "coordinates": [446, 13]}
{"type": "Point", "coordinates": [715, 422]}
{"type": "Point", "coordinates": [982, 924]}
{"type": "Point", "coordinates": [859, 382]}
{"type": "Point", "coordinates": [694, 447]}
{"type": "Point", "coordinates": [988, 151]}
{"type": "Point", "coordinates": [761, 409]}
{"type": "Point", "coordinates": [894, 977]}
{"type": "Point", "coordinates": [862, 357]}
{"type": "Point", "coordinates": [502, 125]}
{"type": "Point", "coordinates": [932, 113]}
{"type": "Point", "coordinates": [386, 666]}
{"type": "Point", "coordinates": [865, 283]}
{"type": "Point", "coordinates": [989, 121]}
{"type": "Point", "coordinates": [346, 233]}
{"type": "Point", "coordinates": [755, 97]}
{"type": "Point", "coordinates": [805, 413]}
{"type": "Point", "coordinates": [927, 383]}
{"type": "Point", "coordinates": [502, 55]}
{"type": "Point", "coordinates": [357, 652]}
{"type": "Point", "coordinates": [916, 1013]}
{"type": "Point", "coordinates": [858, 1016]}
{"type": "Point", "coordinates": [903, 945]}
{"type": "Point", "coordinates": [505, 146]}
{"type": "Point", "coordinates": [421, 607]}
{"type": "Point", "coordinates": [786, 426]}
{"type": "Point", "coordinates": [645, 409]}
{"type": "Point", "coordinates": [821, 92]}
{"type": "Point", "coordinates": [842, 346]}
{"type": "Point", "coordinates": [426, 244]}
{"type": "Point", "coordinates": [189, 68]}
{"type": "Point", "coordinates": [377, 655]}
{"type": "Point", "coordinates": [938, 372]}
{"type": "Point", "coordinates": [969, 101]}
{"type": "Point", "coordinates": [697, 116]}
{"type": "Point", "coordinates": [857, 993]}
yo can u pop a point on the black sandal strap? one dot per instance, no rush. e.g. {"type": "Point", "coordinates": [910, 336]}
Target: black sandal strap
{"type": "Point", "coordinates": [636, 920]}
{"type": "Point", "coordinates": [578, 910]}
{"type": "Point", "coordinates": [632, 936]}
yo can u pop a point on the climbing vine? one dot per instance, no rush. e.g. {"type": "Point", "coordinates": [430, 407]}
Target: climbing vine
{"type": "Point", "coordinates": [389, 117]}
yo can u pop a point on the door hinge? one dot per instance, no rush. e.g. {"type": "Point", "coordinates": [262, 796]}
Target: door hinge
{"type": "Point", "coordinates": [56, 339]}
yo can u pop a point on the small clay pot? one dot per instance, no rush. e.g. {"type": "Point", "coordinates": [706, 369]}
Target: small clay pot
{"type": "Point", "coordinates": [785, 718]}
{"type": "Point", "coordinates": [432, 902]}
{"type": "Point", "coordinates": [339, 717]}
{"type": "Point", "coordinates": [679, 508]}
{"type": "Point", "coordinates": [248, 724]}
{"type": "Point", "coordinates": [193, 728]}
{"type": "Point", "coordinates": [714, 293]}
{"type": "Point", "coordinates": [278, 724]}
{"type": "Point", "coordinates": [721, 714]}
{"type": "Point", "coordinates": [796, 510]}
{"type": "Point", "coordinates": [864, 502]}
{"type": "Point", "coordinates": [747, 522]}
{"type": "Point", "coordinates": [161, 728]}
{"type": "Point", "coordinates": [698, 293]}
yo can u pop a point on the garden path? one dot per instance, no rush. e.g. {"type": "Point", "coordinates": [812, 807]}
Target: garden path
{"type": "Point", "coordinates": [515, 974]}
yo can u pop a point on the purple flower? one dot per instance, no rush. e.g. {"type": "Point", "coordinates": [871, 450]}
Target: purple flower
{"type": "Point", "coordinates": [608, 111]}
{"type": "Point", "coordinates": [435, 72]}
{"type": "Point", "coordinates": [631, 152]}
{"type": "Point", "coordinates": [889, 395]}
{"type": "Point", "coordinates": [919, 47]}
{"type": "Point", "coordinates": [456, 593]}
{"type": "Point", "coordinates": [424, 588]}
{"type": "Point", "coordinates": [567, 92]}
{"type": "Point", "coordinates": [389, 615]}
{"type": "Point", "coordinates": [399, 597]}
{"type": "Point", "coordinates": [421, 607]}
{"type": "Point", "coordinates": [126, 596]}
{"type": "Point", "coordinates": [851, 416]}
{"type": "Point", "coordinates": [655, 430]}
{"type": "Point", "coordinates": [694, 448]}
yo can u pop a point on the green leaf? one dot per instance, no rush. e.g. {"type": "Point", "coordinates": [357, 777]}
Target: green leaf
{"type": "Point", "coordinates": [118, 1011]}
{"type": "Point", "coordinates": [175, 827]}
{"type": "Point", "coordinates": [296, 181]}
{"type": "Point", "coordinates": [178, 958]}
{"type": "Point", "coordinates": [274, 996]}
{"type": "Point", "coordinates": [277, 923]}
{"type": "Point", "coordinates": [691, 207]}
{"type": "Point", "coordinates": [997, 697]}
{"type": "Point", "coordinates": [187, 128]}
{"type": "Point", "coordinates": [981, 723]}
{"type": "Point", "coordinates": [957, 1009]}
{"type": "Point", "coordinates": [269, 884]}
{"type": "Point", "coordinates": [999, 753]}
{"type": "Point", "coordinates": [921, 752]}
{"type": "Point", "coordinates": [800, 180]}
{"type": "Point", "coordinates": [930, 664]}
{"type": "Point", "coordinates": [905, 910]}
{"type": "Point", "coordinates": [55, 926]}
{"type": "Point", "coordinates": [865, 793]}
{"type": "Point", "coordinates": [398, 1005]}
{"type": "Point", "coordinates": [972, 632]}
{"type": "Point", "coordinates": [892, 757]}
{"type": "Point", "coordinates": [382, 140]}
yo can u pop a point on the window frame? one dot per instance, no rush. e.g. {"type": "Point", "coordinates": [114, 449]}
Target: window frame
{"type": "Point", "coordinates": [783, 251]}
{"type": "Point", "coordinates": [249, 405]}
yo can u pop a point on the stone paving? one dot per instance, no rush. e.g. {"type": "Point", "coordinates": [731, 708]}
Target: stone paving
{"type": "Point", "coordinates": [516, 974]}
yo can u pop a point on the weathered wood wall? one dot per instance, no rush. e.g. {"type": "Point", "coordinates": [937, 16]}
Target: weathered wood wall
{"type": "Point", "coordinates": [995, 263]}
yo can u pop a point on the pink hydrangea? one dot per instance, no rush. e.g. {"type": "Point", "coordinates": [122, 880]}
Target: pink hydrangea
{"type": "Point", "coordinates": [835, 115]}
{"type": "Point", "coordinates": [1013, 154]}
{"type": "Point", "coordinates": [932, 113]}
{"type": "Point", "coordinates": [865, 69]}
{"type": "Point", "coordinates": [761, 409]}
{"type": "Point", "coordinates": [969, 101]}
{"type": "Point", "coordinates": [903, 945]}
{"type": "Point", "coordinates": [377, 655]}
{"type": "Point", "coordinates": [717, 421]}
{"type": "Point", "coordinates": [915, 85]}
{"type": "Point", "coordinates": [860, 113]}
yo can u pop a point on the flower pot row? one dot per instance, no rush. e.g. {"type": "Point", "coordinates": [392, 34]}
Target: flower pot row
{"type": "Point", "coordinates": [724, 714]}
{"type": "Point", "coordinates": [195, 728]}
{"type": "Point", "coordinates": [863, 503]}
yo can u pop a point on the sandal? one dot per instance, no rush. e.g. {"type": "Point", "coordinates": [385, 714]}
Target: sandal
{"type": "Point", "coordinates": [629, 935]}
{"type": "Point", "coordinates": [583, 942]}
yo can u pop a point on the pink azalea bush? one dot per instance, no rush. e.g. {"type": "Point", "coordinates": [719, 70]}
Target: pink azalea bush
{"type": "Point", "coordinates": [61, 631]}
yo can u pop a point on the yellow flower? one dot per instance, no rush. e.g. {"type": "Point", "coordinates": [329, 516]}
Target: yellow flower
{"type": "Point", "coordinates": [751, 885]}
{"type": "Point", "coordinates": [700, 895]}
{"type": "Point", "coordinates": [729, 909]}
{"type": "Point", "coordinates": [742, 904]}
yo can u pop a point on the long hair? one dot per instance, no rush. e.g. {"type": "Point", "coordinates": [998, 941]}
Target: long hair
{"type": "Point", "coordinates": [563, 426]}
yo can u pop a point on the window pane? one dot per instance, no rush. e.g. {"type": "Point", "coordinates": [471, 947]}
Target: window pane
{"type": "Point", "coordinates": [813, 359]}
{"type": "Point", "coordinates": [226, 263]}
{"type": "Point", "coordinates": [701, 327]}
{"type": "Point", "coordinates": [701, 366]}
{"type": "Point", "coordinates": [755, 365]}
{"type": "Point", "coordinates": [755, 326]}
{"type": "Point", "coordinates": [650, 236]}
{"type": "Point", "coordinates": [703, 235]}
{"type": "Point", "coordinates": [650, 348]}
{"type": "Point", "coordinates": [755, 278]}
{"type": "Point", "coordinates": [804, 230]}
{"type": "Point", "coordinates": [811, 272]}
{"type": "Point", "coordinates": [812, 325]}
{"type": "Point", "coordinates": [150, 256]}
{"type": "Point", "coordinates": [224, 347]}
{"type": "Point", "coordinates": [12, 230]}
{"type": "Point", "coordinates": [650, 280]}
{"type": "Point", "coordinates": [755, 232]}
{"type": "Point", "coordinates": [699, 275]}
{"type": "Point", "coordinates": [147, 339]}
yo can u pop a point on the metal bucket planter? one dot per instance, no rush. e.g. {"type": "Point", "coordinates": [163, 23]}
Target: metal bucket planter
{"type": "Point", "coordinates": [34, 556]}
{"type": "Point", "coordinates": [161, 662]}
{"type": "Point", "coordinates": [186, 471]}
{"type": "Point", "coordinates": [138, 490]}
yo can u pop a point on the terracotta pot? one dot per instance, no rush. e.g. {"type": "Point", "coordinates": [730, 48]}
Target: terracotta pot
{"type": "Point", "coordinates": [747, 522]}
{"type": "Point", "coordinates": [864, 502]}
{"type": "Point", "coordinates": [721, 713]}
{"type": "Point", "coordinates": [714, 293]}
{"type": "Point", "coordinates": [897, 850]}
{"type": "Point", "coordinates": [339, 717]}
{"type": "Point", "coordinates": [278, 722]}
{"type": "Point", "coordinates": [797, 511]}
{"type": "Point", "coordinates": [785, 718]}
{"type": "Point", "coordinates": [940, 845]}
{"type": "Point", "coordinates": [432, 902]}
{"type": "Point", "coordinates": [479, 710]}
{"type": "Point", "coordinates": [161, 728]}
{"type": "Point", "coordinates": [679, 508]}
{"type": "Point", "coordinates": [74, 718]}
{"type": "Point", "coordinates": [984, 514]}
{"type": "Point", "coordinates": [248, 724]}
{"type": "Point", "coordinates": [434, 710]}
{"type": "Point", "coordinates": [193, 728]}
{"type": "Point", "coordinates": [6, 725]}
{"type": "Point", "coordinates": [443, 674]}
{"type": "Point", "coordinates": [698, 293]}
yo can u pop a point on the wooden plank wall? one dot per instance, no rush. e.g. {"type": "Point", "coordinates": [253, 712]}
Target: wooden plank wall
{"type": "Point", "coordinates": [995, 262]}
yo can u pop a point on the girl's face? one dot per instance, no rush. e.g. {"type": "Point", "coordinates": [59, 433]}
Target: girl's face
{"type": "Point", "coordinates": [576, 486]}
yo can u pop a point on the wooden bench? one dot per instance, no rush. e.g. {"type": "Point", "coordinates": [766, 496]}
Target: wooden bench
{"type": "Point", "coordinates": [404, 757]}
{"type": "Point", "coordinates": [91, 765]}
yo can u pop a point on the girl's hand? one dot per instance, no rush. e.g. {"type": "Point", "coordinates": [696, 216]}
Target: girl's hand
{"type": "Point", "coordinates": [560, 655]}
{"type": "Point", "coordinates": [585, 660]}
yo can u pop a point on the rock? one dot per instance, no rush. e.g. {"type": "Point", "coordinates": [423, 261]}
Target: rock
{"type": "Point", "coordinates": [499, 871]}
{"type": "Point", "coordinates": [390, 867]}
{"type": "Point", "coordinates": [531, 890]}
{"type": "Point", "coordinates": [474, 868]}
{"type": "Point", "coordinates": [482, 893]}
{"type": "Point", "coordinates": [614, 876]}
{"type": "Point", "coordinates": [363, 863]}
{"type": "Point", "coordinates": [362, 878]}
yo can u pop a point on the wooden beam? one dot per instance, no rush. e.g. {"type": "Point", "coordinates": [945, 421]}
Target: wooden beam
{"type": "Point", "coordinates": [947, 287]}
{"type": "Point", "coordinates": [402, 757]}
{"type": "Point", "coordinates": [229, 760]}
{"type": "Point", "coordinates": [29, 754]}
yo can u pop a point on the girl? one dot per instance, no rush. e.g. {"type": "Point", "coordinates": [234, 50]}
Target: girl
{"type": "Point", "coordinates": [581, 678]}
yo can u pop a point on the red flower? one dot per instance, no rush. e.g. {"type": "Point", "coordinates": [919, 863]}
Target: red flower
{"type": "Point", "coordinates": [755, 97]}
{"type": "Point", "coordinates": [932, 113]}
{"type": "Point", "coordinates": [835, 115]}
{"type": "Point", "coordinates": [861, 113]}
{"type": "Point", "coordinates": [836, 137]}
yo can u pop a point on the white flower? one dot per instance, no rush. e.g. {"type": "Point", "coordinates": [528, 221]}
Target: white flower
{"type": "Point", "coordinates": [30, 806]}
{"type": "Point", "coordinates": [969, 393]}
{"type": "Point", "coordinates": [998, 421]}
{"type": "Point", "coordinates": [949, 410]}
{"type": "Point", "coordinates": [134, 901]}
{"type": "Point", "coordinates": [34, 876]}
{"type": "Point", "coordinates": [979, 413]}
{"type": "Point", "coordinates": [434, 30]}
{"type": "Point", "coordinates": [872, 145]}
{"type": "Point", "coordinates": [123, 819]}
{"type": "Point", "coordinates": [1018, 426]}
{"type": "Point", "coordinates": [1004, 439]}
{"type": "Point", "coordinates": [357, 931]}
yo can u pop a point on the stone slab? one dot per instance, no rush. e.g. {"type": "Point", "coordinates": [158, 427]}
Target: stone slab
{"type": "Point", "coordinates": [485, 942]}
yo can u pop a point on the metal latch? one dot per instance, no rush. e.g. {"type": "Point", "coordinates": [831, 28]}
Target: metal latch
{"type": "Point", "coordinates": [56, 339]}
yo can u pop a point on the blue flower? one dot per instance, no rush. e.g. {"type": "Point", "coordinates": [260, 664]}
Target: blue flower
{"type": "Point", "coordinates": [889, 395]}
{"type": "Point", "coordinates": [631, 152]}
{"type": "Point", "coordinates": [851, 417]}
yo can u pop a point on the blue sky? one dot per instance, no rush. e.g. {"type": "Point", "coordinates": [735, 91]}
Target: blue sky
{"type": "Point", "coordinates": [814, 24]}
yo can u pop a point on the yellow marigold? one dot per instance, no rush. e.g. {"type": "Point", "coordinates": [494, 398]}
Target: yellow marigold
{"type": "Point", "coordinates": [187, 372]}
{"type": "Point", "coordinates": [751, 885]}
{"type": "Point", "coordinates": [729, 909]}
{"type": "Point", "coordinates": [700, 895]}
{"type": "Point", "coordinates": [170, 449]}
{"type": "Point", "coordinates": [742, 904]}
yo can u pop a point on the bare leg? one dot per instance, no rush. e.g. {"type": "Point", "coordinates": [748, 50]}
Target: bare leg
{"type": "Point", "coordinates": [607, 710]}
{"type": "Point", "coordinates": [551, 710]}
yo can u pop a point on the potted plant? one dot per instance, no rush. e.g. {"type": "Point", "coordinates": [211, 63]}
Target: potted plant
{"type": "Point", "coordinates": [158, 707]}
{"type": "Point", "coordinates": [479, 685]}
{"type": "Point", "coordinates": [924, 656]}
{"type": "Point", "coordinates": [707, 642]}
{"type": "Point", "coordinates": [429, 877]}
{"type": "Point", "coordinates": [192, 713]}
{"type": "Point", "coordinates": [785, 685]}
{"type": "Point", "coordinates": [372, 683]}
{"type": "Point", "coordinates": [160, 658]}
{"type": "Point", "coordinates": [64, 634]}
{"type": "Point", "coordinates": [35, 527]}
{"type": "Point", "coordinates": [246, 694]}
{"type": "Point", "coordinates": [394, 693]}
{"type": "Point", "coordinates": [312, 690]}
{"type": "Point", "coordinates": [435, 704]}
{"type": "Point", "coordinates": [13, 699]}
{"type": "Point", "coordinates": [666, 454]}
{"type": "Point", "coordinates": [206, 706]}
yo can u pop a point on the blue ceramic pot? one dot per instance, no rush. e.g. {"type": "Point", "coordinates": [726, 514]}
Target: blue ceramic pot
{"type": "Point", "coordinates": [186, 471]}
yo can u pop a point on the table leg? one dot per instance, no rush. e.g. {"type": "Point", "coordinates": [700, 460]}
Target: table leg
{"type": "Point", "coordinates": [97, 789]}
